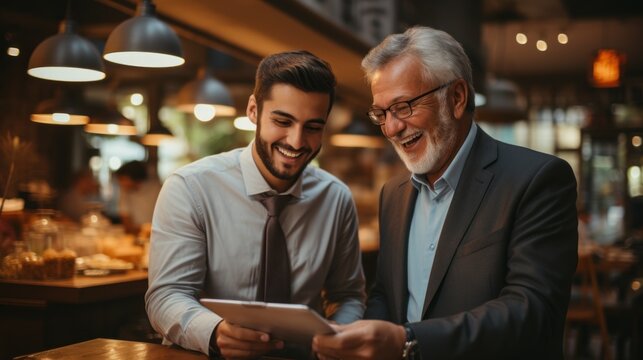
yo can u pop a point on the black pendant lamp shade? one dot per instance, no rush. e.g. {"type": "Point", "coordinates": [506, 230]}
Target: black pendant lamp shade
{"type": "Point", "coordinates": [205, 90]}
{"type": "Point", "coordinates": [66, 57]}
{"type": "Point", "coordinates": [144, 41]}
{"type": "Point", "coordinates": [65, 108]}
{"type": "Point", "coordinates": [156, 135]}
{"type": "Point", "coordinates": [106, 120]}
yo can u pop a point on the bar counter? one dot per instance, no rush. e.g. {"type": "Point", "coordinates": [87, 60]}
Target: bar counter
{"type": "Point", "coordinates": [38, 315]}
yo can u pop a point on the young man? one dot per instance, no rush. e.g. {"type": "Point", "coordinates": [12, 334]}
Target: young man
{"type": "Point", "coordinates": [209, 220]}
{"type": "Point", "coordinates": [478, 245]}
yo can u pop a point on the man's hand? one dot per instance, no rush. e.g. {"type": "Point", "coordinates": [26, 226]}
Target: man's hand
{"type": "Point", "coordinates": [235, 342]}
{"type": "Point", "coordinates": [366, 339]}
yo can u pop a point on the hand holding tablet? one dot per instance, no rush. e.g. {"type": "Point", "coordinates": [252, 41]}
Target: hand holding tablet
{"type": "Point", "coordinates": [289, 322]}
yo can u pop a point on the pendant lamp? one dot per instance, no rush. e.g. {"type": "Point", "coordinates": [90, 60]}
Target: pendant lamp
{"type": "Point", "coordinates": [65, 108]}
{"type": "Point", "coordinates": [66, 56]}
{"type": "Point", "coordinates": [206, 97]}
{"type": "Point", "coordinates": [156, 135]}
{"type": "Point", "coordinates": [144, 41]}
{"type": "Point", "coordinates": [505, 103]}
{"type": "Point", "coordinates": [106, 120]}
{"type": "Point", "coordinates": [359, 134]}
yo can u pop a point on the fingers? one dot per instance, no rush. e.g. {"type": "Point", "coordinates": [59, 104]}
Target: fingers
{"type": "Point", "coordinates": [241, 343]}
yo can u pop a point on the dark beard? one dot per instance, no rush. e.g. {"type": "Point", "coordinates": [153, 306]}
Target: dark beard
{"type": "Point", "coordinates": [263, 149]}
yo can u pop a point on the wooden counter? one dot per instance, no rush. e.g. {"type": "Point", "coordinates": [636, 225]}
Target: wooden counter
{"type": "Point", "coordinates": [107, 349]}
{"type": "Point", "coordinates": [37, 315]}
{"type": "Point", "coordinates": [77, 290]}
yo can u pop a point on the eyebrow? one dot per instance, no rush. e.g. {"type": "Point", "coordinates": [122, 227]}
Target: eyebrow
{"type": "Point", "coordinates": [395, 100]}
{"type": "Point", "coordinates": [289, 116]}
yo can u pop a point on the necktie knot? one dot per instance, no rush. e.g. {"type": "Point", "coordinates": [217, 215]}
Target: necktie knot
{"type": "Point", "coordinates": [275, 203]}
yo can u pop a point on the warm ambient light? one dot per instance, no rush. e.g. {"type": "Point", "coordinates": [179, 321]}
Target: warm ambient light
{"type": "Point", "coordinates": [65, 108]}
{"type": "Point", "coordinates": [144, 59]}
{"type": "Point", "coordinates": [636, 141]}
{"type": "Point", "coordinates": [156, 134]}
{"type": "Point", "coordinates": [60, 119]}
{"type": "Point", "coordinates": [204, 112]}
{"type": "Point", "coordinates": [13, 51]}
{"type": "Point", "coordinates": [359, 141]}
{"type": "Point", "coordinates": [244, 123]}
{"type": "Point", "coordinates": [562, 38]}
{"type": "Point", "coordinates": [521, 38]}
{"type": "Point", "coordinates": [541, 45]}
{"type": "Point", "coordinates": [136, 99]}
{"type": "Point", "coordinates": [606, 68]}
{"type": "Point", "coordinates": [106, 120]}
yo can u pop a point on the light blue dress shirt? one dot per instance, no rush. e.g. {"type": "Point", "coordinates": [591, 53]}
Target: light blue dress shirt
{"type": "Point", "coordinates": [207, 236]}
{"type": "Point", "coordinates": [431, 207]}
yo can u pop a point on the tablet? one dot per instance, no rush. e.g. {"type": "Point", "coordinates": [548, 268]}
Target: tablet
{"type": "Point", "coordinates": [289, 322]}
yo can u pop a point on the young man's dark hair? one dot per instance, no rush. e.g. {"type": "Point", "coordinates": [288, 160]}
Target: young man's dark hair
{"type": "Point", "coordinates": [300, 69]}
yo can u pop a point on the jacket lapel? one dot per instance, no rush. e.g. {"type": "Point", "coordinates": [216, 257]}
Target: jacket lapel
{"type": "Point", "coordinates": [404, 207]}
{"type": "Point", "coordinates": [472, 186]}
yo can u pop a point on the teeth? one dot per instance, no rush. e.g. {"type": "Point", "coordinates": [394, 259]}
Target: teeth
{"type": "Point", "coordinates": [411, 138]}
{"type": "Point", "coordinates": [289, 154]}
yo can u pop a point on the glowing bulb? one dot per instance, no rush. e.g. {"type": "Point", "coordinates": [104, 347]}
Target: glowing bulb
{"type": "Point", "coordinates": [136, 99]}
{"type": "Point", "coordinates": [636, 141]}
{"type": "Point", "coordinates": [521, 38]}
{"type": "Point", "coordinates": [562, 38]}
{"type": "Point", "coordinates": [541, 45]}
{"type": "Point", "coordinates": [204, 112]}
{"type": "Point", "coordinates": [114, 163]}
{"type": "Point", "coordinates": [634, 172]}
{"type": "Point", "coordinates": [60, 117]}
{"type": "Point", "coordinates": [244, 123]}
{"type": "Point", "coordinates": [13, 51]}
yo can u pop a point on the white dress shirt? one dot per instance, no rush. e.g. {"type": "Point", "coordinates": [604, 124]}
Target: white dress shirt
{"type": "Point", "coordinates": [207, 237]}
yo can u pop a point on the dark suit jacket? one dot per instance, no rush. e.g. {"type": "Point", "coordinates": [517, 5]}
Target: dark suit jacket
{"type": "Point", "coordinates": [501, 278]}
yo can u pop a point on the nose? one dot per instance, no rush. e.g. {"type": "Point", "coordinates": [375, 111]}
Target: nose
{"type": "Point", "coordinates": [392, 125]}
{"type": "Point", "coordinates": [296, 137]}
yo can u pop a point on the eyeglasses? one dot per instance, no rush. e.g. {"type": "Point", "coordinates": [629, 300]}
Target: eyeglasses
{"type": "Point", "coordinates": [401, 110]}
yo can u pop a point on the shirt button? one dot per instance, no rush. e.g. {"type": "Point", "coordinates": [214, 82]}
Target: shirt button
{"type": "Point", "coordinates": [432, 246]}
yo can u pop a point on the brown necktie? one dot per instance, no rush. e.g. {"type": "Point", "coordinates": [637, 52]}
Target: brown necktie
{"type": "Point", "coordinates": [274, 282]}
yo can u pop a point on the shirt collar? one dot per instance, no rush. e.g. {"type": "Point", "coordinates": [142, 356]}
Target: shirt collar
{"type": "Point", "coordinates": [253, 180]}
{"type": "Point", "coordinates": [452, 174]}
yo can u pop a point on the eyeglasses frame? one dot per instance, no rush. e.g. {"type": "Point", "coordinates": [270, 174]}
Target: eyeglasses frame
{"type": "Point", "coordinates": [408, 102]}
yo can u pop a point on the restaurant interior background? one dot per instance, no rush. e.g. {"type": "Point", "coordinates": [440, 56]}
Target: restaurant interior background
{"type": "Point", "coordinates": [560, 76]}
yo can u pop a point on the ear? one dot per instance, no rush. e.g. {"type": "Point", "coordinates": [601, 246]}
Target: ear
{"type": "Point", "coordinates": [251, 109]}
{"type": "Point", "coordinates": [460, 96]}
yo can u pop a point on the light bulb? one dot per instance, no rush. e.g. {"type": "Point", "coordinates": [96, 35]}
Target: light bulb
{"type": "Point", "coordinates": [136, 99]}
{"type": "Point", "coordinates": [204, 112]}
{"type": "Point", "coordinates": [60, 117]}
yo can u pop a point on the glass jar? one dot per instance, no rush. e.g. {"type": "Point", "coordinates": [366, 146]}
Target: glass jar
{"type": "Point", "coordinates": [42, 233]}
{"type": "Point", "coordinates": [94, 228]}
{"type": "Point", "coordinates": [11, 266]}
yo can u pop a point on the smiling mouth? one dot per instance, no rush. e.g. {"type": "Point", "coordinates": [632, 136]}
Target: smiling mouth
{"type": "Point", "coordinates": [289, 153]}
{"type": "Point", "coordinates": [410, 140]}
